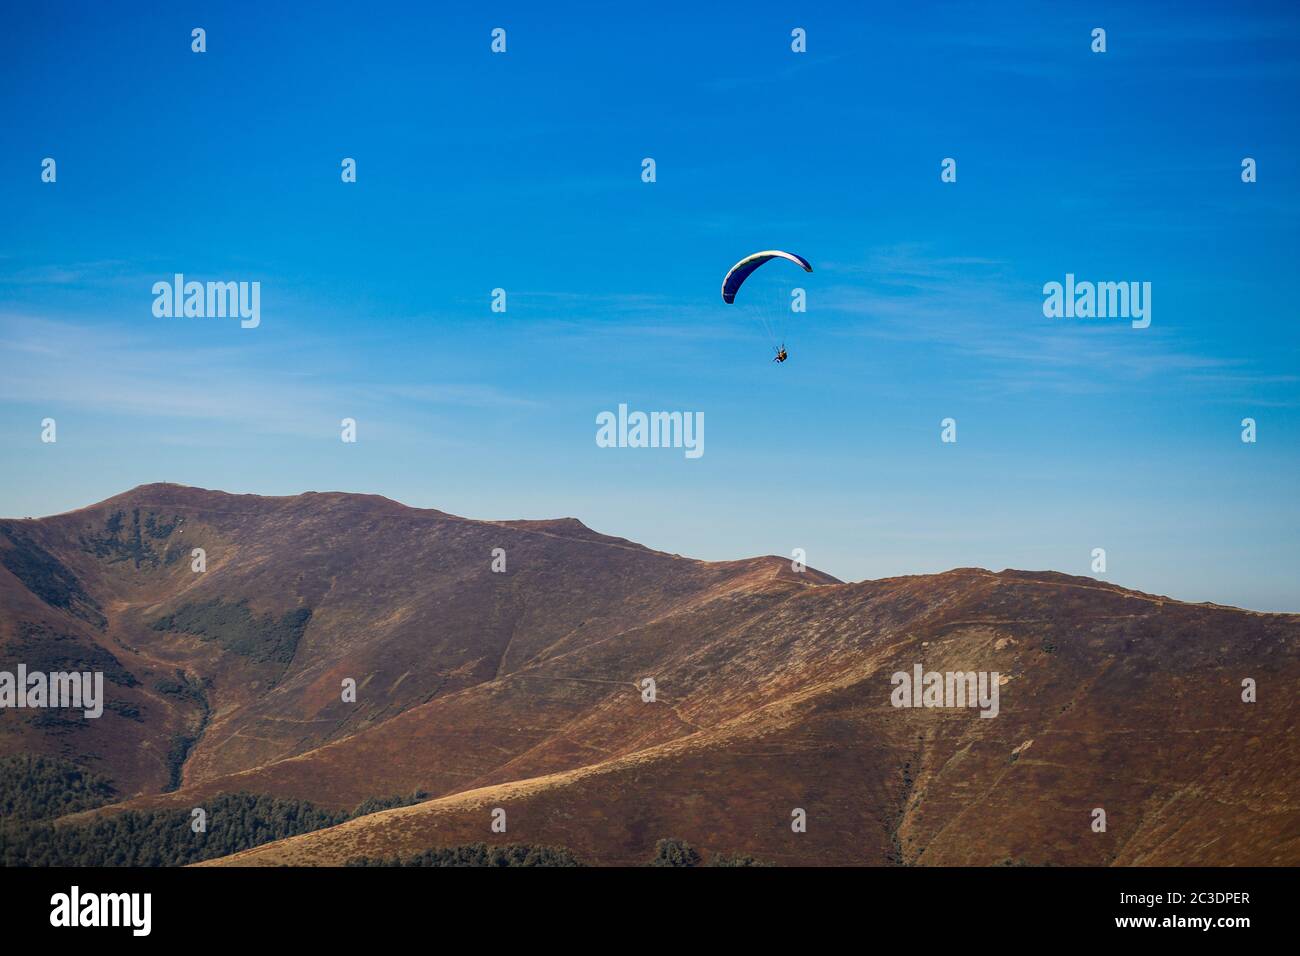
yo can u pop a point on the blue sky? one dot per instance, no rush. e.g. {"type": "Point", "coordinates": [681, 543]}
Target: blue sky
{"type": "Point", "coordinates": [522, 171]}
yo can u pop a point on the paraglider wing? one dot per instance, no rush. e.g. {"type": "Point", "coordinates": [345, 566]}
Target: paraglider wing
{"type": "Point", "coordinates": [742, 269]}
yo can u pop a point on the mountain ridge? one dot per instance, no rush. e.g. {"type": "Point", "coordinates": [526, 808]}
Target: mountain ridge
{"type": "Point", "coordinates": [772, 688]}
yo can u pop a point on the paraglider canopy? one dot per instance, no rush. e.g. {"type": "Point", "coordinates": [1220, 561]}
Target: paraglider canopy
{"type": "Point", "coordinates": [742, 269]}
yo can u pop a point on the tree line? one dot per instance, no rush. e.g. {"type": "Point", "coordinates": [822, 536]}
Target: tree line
{"type": "Point", "coordinates": [36, 790]}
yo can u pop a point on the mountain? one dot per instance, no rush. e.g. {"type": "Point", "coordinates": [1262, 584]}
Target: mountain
{"type": "Point", "coordinates": [523, 690]}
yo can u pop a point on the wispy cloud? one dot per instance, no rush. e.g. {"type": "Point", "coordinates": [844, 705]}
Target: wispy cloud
{"type": "Point", "coordinates": [977, 309]}
{"type": "Point", "coordinates": [77, 274]}
{"type": "Point", "coordinates": [478, 396]}
{"type": "Point", "coordinates": [102, 368]}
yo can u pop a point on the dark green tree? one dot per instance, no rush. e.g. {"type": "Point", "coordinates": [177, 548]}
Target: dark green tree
{"type": "Point", "coordinates": [675, 853]}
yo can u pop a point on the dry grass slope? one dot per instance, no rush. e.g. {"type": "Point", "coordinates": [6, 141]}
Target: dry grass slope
{"type": "Point", "coordinates": [522, 691]}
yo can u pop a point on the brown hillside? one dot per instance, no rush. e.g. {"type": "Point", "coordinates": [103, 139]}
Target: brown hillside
{"type": "Point", "coordinates": [521, 690]}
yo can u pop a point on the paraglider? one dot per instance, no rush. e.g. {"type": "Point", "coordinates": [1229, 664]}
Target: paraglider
{"type": "Point", "coordinates": [741, 271]}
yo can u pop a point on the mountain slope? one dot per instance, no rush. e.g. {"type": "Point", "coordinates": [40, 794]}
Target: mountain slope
{"type": "Point", "coordinates": [1135, 709]}
{"type": "Point", "coordinates": [524, 690]}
